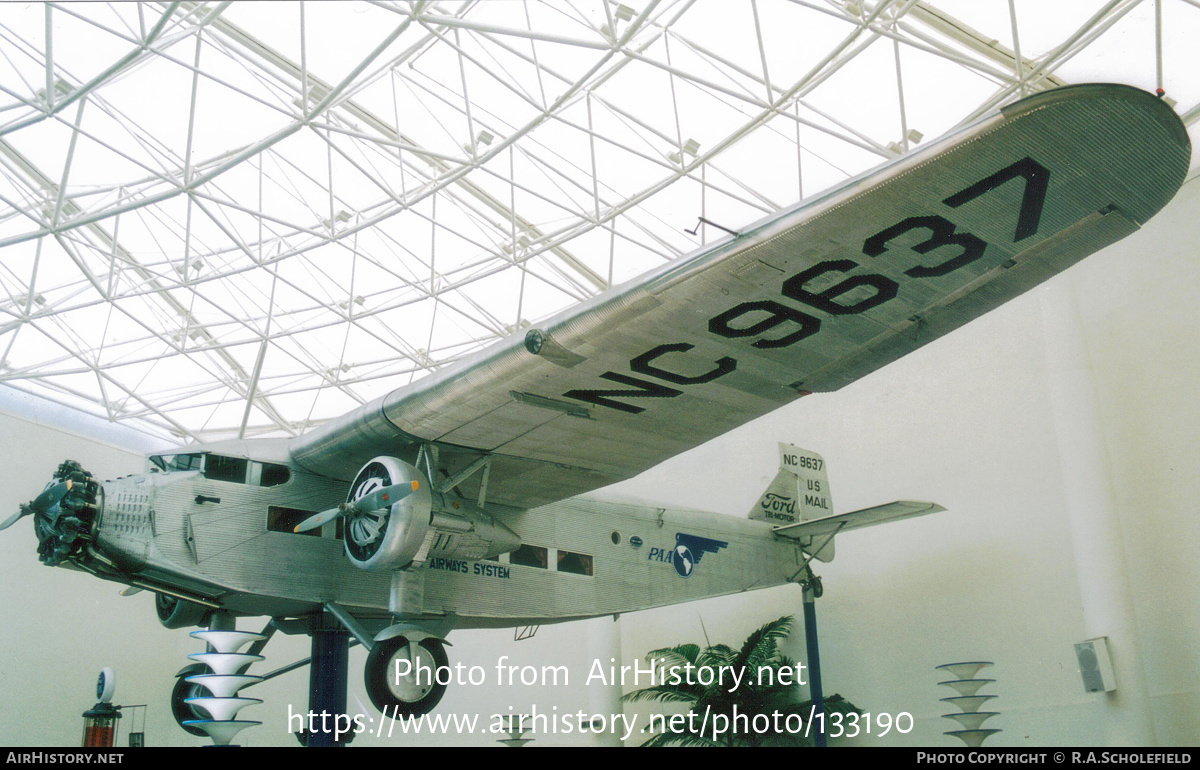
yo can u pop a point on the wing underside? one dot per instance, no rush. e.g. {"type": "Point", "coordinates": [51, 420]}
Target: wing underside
{"type": "Point", "coordinates": [805, 301]}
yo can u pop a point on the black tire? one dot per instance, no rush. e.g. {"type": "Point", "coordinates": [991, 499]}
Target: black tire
{"type": "Point", "coordinates": [404, 698]}
{"type": "Point", "coordinates": [178, 613]}
{"type": "Point", "coordinates": [184, 689]}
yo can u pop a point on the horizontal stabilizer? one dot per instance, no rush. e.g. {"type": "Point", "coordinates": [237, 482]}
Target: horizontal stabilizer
{"type": "Point", "coordinates": [901, 509]}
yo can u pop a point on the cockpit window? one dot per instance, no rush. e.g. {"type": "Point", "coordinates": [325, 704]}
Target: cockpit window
{"type": "Point", "coordinates": [222, 468]}
{"type": "Point", "coordinates": [174, 463]}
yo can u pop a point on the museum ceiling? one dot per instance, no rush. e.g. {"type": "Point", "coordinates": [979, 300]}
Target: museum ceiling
{"type": "Point", "coordinates": [243, 219]}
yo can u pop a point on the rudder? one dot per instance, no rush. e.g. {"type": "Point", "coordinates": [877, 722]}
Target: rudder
{"type": "Point", "coordinates": [799, 492]}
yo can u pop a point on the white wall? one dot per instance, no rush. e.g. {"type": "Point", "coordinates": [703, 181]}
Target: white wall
{"type": "Point", "coordinates": [61, 627]}
{"type": "Point", "coordinates": [966, 422]}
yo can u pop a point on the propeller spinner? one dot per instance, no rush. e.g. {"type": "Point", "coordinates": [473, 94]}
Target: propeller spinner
{"type": "Point", "coordinates": [383, 497]}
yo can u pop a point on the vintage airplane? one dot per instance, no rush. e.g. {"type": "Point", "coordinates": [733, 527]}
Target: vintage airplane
{"type": "Point", "coordinates": [465, 491]}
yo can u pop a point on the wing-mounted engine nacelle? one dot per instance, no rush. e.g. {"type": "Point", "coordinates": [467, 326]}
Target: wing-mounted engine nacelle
{"type": "Point", "coordinates": [389, 537]}
{"type": "Point", "coordinates": [417, 525]}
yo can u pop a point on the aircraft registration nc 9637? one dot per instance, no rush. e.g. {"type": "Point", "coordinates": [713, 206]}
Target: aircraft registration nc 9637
{"type": "Point", "coordinates": [464, 488]}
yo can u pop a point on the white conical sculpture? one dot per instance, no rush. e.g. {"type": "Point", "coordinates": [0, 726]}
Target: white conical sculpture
{"type": "Point", "coordinates": [227, 665]}
{"type": "Point", "coordinates": [227, 641]}
{"type": "Point", "coordinates": [963, 670]}
{"type": "Point", "coordinates": [223, 709]}
{"type": "Point", "coordinates": [221, 732]}
{"type": "Point", "coordinates": [969, 704]}
{"type": "Point", "coordinates": [223, 686]}
{"type": "Point", "coordinates": [973, 738]}
{"type": "Point", "coordinates": [972, 720]}
{"type": "Point", "coordinates": [967, 686]}
{"type": "Point", "coordinates": [516, 730]}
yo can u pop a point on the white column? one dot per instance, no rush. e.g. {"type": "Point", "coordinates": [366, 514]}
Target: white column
{"type": "Point", "coordinates": [1092, 515]}
{"type": "Point", "coordinates": [604, 645]}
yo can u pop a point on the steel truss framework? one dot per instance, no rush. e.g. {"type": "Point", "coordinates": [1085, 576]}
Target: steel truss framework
{"type": "Point", "coordinates": [233, 219]}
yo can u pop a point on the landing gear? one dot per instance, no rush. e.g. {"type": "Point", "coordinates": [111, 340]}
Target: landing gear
{"type": "Point", "coordinates": [814, 582]}
{"type": "Point", "coordinates": [401, 676]}
{"type": "Point", "coordinates": [177, 613]}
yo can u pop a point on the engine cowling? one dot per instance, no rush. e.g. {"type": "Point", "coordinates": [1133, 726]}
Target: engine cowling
{"type": "Point", "coordinates": [420, 526]}
{"type": "Point", "coordinates": [388, 538]}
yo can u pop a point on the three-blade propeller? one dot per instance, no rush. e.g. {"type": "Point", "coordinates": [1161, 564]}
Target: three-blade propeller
{"type": "Point", "coordinates": [380, 498]}
{"type": "Point", "coordinates": [49, 497]}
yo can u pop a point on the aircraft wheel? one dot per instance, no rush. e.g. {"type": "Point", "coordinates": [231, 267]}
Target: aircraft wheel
{"type": "Point", "coordinates": [184, 689]}
{"type": "Point", "coordinates": [177, 613]}
{"type": "Point", "coordinates": [404, 696]}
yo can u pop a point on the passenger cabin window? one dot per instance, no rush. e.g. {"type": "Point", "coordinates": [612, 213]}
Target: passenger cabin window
{"type": "Point", "coordinates": [530, 556]}
{"type": "Point", "coordinates": [575, 563]}
{"type": "Point", "coordinates": [281, 519]}
{"type": "Point", "coordinates": [221, 468]}
{"type": "Point", "coordinates": [268, 474]}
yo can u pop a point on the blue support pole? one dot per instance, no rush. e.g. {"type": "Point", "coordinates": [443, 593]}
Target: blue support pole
{"type": "Point", "coordinates": [327, 684]}
{"type": "Point", "coordinates": [814, 663]}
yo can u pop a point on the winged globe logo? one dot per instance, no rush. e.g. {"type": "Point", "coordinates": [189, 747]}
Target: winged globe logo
{"type": "Point", "coordinates": [683, 560]}
{"type": "Point", "coordinates": [689, 549]}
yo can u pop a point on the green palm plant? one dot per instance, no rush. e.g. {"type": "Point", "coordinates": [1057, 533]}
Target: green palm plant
{"type": "Point", "coordinates": [717, 703]}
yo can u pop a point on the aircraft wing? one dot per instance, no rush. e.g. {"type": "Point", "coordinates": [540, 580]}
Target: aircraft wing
{"type": "Point", "coordinates": [804, 301]}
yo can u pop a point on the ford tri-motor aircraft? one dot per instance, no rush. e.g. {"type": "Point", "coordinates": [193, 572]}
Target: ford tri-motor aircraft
{"type": "Point", "coordinates": [458, 501]}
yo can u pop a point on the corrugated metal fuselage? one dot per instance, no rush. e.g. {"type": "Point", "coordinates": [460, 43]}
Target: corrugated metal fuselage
{"type": "Point", "coordinates": [211, 540]}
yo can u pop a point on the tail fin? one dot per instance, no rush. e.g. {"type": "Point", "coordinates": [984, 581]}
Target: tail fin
{"type": "Point", "coordinates": [800, 491]}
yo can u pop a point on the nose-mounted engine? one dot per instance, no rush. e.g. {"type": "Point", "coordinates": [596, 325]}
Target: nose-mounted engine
{"type": "Point", "coordinates": [65, 514]}
{"type": "Point", "coordinates": [394, 518]}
